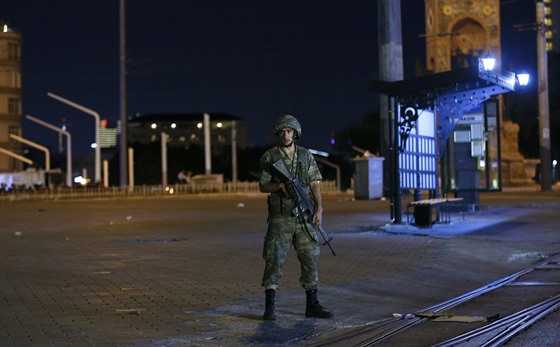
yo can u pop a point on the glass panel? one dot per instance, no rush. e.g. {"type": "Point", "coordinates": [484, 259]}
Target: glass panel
{"type": "Point", "coordinates": [493, 145]}
{"type": "Point", "coordinates": [472, 160]}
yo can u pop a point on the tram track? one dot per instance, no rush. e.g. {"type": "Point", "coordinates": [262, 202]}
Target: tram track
{"type": "Point", "coordinates": [504, 329]}
{"type": "Point", "coordinates": [496, 333]}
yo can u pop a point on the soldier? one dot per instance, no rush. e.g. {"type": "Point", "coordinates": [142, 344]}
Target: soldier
{"type": "Point", "coordinates": [285, 229]}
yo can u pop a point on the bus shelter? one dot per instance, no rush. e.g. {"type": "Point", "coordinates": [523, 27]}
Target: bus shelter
{"type": "Point", "coordinates": [444, 134]}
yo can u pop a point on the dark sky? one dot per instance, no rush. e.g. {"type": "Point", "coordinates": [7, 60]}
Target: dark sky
{"type": "Point", "coordinates": [254, 59]}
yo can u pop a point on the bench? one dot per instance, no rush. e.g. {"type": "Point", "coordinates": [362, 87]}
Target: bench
{"type": "Point", "coordinates": [426, 211]}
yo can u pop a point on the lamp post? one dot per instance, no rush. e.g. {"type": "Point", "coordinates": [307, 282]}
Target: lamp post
{"type": "Point", "coordinates": [68, 145]}
{"type": "Point", "coordinates": [97, 125]}
{"type": "Point", "coordinates": [163, 159]}
{"type": "Point", "coordinates": [122, 89]}
{"type": "Point", "coordinates": [16, 156]}
{"type": "Point", "coordinates": [207, 145]}
{"type": "Point", "coordinates": [234, 151]}
{"type": "Point", "coordinates": [38, 146]}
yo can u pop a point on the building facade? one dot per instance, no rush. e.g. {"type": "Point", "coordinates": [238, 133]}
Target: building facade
{"type": "Point", "coordinates": [186, 129]}
{"type": "Point", "coordinates": [457, 34]}
{"type": "Point", "coordinates": [10, 97]}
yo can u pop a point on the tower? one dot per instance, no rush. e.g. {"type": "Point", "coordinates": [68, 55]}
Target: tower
{"type": "Point", "coordinates": [10, 96]}
{"type": "Point", "coordinates": [458, 32]}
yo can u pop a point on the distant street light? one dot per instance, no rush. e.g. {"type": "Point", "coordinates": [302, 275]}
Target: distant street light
{"type": "Point", "coordinates": [15, 155]}
{"type": "Point", "coordinates": [68, 145]}
{"type": "Point", "coordinates": [38, 146]}
{"type": "Point", "coordinates": [97, 125]}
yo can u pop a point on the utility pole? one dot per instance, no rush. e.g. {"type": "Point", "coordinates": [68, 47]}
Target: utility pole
{"type": "Point", "coordinates": [390, 69]}
{"type": "Point", "coordinates": [123, 145]}
{"type": "Point", "coordinates": [544, 112]}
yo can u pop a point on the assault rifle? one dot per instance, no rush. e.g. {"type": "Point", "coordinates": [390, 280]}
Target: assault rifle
{"type": "Point", "coordinates": [303, 204]}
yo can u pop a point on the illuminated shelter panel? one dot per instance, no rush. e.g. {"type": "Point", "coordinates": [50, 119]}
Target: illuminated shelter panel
{"type": "Point", "coordinates": [418, 163]}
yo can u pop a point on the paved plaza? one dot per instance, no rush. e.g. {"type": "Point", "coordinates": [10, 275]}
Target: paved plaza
{"type": "Point", "coordinates": [186, 270]}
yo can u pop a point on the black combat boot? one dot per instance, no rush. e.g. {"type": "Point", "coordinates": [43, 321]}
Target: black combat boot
{"type": "Point", "coordinates": [313, 308]}
{"type": "Point", "coordinates": [269, 305]}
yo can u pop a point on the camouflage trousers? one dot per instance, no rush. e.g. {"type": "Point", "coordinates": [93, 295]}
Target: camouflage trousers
{"type": "Point", "coordinates": [282, 233]}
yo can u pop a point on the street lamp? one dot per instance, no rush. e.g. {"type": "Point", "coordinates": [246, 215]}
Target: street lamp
{"type": "Point", "coordinates": [523, 79]}
{"type": "Point", "coordinates": [16, 156]}
{"type": "Point", "coordinates": [68, 145]}
{"type": "Point", "coordinates": [488, 62]}
{"type": "Point", "coordinates": [97, 125]}
{"type": "Point", "coordinates": [38, 146]}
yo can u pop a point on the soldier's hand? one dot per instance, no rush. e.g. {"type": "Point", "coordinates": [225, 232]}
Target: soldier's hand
{"type": "Point", "coordinates": [282, 187]}
{"type": "Point", "coordinates": [318, 217]}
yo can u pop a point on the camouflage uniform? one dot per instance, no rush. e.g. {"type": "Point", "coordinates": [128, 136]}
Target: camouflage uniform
{"type": "Point", "coordinates": [284, 229]}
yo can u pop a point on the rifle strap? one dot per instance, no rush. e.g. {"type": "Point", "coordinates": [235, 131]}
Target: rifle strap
{"type": "Point", "coordinates": [309, 233]}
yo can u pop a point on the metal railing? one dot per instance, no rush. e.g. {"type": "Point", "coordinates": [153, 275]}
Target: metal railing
{"type": "Point", "coordinates": [59, 193]}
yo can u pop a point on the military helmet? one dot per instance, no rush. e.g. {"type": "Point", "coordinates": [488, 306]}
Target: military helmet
{"type": "Point", "coordinates": [288, 121]}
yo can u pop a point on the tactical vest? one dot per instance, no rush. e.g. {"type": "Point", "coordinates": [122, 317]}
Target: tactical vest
{"type": "Point", "coordinates": [278, 204]}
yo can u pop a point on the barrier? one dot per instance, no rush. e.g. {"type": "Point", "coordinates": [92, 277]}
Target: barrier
{"type": "Point", "coordinates": [59, 192]}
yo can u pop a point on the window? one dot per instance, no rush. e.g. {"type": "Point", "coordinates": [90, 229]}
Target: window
{"type": "Point", "coordinates": [13, 51]}
{"type": "Point", "coordinates": [14, 105]}
{"type": "Point", "coordinates": [9, 78]}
